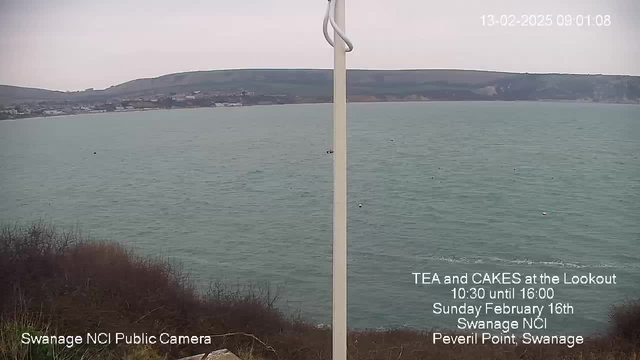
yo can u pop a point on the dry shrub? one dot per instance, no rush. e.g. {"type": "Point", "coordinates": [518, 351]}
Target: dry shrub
{"type": "Point", "coordinates": [625, 321]}
{"type": "Point", "coordinates": [84, 286]}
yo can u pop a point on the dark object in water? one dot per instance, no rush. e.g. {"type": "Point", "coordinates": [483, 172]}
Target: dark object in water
{"type": "Point", "coordinates": [94, 153]}
{"type": "Point", "coordinates": [329, 151]}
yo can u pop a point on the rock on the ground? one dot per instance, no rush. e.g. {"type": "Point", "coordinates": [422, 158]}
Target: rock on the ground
{"type": "Point", "coordinates": [222, 354]}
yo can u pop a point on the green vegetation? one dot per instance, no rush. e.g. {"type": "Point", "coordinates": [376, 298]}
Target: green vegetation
{"type": "Point", "coordinates": [61, 283]}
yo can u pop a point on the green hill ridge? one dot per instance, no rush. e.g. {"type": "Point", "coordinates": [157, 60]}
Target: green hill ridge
{"type": "Point", "coordinates": [315, 85]}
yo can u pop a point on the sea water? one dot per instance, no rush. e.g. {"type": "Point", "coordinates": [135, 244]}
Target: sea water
{"type": "Point", "coordinates": [243, 195]}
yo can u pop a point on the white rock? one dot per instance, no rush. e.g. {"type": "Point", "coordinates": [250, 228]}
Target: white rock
{"type": "Point", "coordinates": [222, 354]}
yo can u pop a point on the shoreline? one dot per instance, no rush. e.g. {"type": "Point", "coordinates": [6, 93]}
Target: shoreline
{"type": "Point", "coordinates": [348, 102]}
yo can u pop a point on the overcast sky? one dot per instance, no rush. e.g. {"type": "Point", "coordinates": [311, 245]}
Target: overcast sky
{"type": "Point", "coordinates": [77, 44]}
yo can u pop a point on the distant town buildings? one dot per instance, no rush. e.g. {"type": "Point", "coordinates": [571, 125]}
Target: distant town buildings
{"type": "Point", "coordinates": [10, 111]}
{"type": "Point", "coordinates": [53, 112]}
{"type": "Point", "coordinates": [196, 98]}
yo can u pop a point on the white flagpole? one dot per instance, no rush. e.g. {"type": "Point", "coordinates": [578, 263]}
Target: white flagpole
{"type": "Point", "coordinates": [341, 44]}
{"type": "Point", "coordinates": [339, 188]}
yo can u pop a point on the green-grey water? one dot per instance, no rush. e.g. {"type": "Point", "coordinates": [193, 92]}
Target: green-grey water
{"type": "Point", "coordinates": [244, 194]}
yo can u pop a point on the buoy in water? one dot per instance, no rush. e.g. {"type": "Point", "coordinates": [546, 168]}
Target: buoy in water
{"type": "Point", "coordinates": [359, 205]}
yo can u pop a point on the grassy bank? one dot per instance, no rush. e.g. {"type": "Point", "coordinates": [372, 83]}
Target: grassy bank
{"type": "Point", "coordinates": [60, 283]}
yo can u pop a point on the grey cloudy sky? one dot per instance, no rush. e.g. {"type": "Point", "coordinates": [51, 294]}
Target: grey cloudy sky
{"type": "Point", "coordinates": [76, 44]}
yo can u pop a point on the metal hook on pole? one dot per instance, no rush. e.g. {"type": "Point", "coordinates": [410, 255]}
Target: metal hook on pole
{"type": "Point", "coordinates": [329, 18]}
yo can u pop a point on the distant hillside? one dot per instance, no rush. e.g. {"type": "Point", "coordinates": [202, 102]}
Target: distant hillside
{"type": "Point", "coordinates": [22, 94]}
{"type": "Point", "coordinates": [315, 85]}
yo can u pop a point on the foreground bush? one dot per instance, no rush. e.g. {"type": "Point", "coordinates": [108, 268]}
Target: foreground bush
{"type": "Point", "coordinates": [625, 321]}
{"type": "Point", "coordinates": [55, 282]}
{"type": "Point", "coordinates": [95, 286]}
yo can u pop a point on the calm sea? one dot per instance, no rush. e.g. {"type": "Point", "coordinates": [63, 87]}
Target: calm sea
{"type": "Point", "coordinates": [244, 195]}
